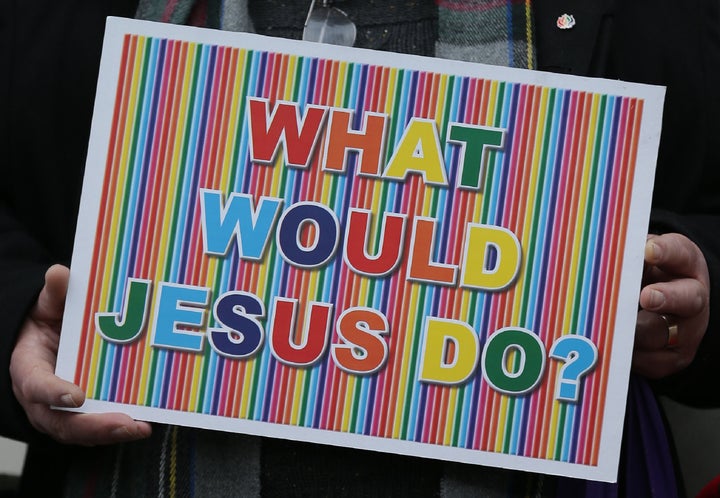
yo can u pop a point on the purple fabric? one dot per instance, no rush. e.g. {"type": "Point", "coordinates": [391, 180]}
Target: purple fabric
{"type": "Point", "coordinates": [646, 465]}
{"type": "Point", "coordinates": [649, 469]}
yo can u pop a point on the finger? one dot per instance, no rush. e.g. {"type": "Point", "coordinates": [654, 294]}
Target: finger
{"type": "Point", "coordinates": [652, 274]}
{"type": "Point", "coordinates": [675, 254]}
{"type": "Point", "coordinates": [37, 384]}
{"type": "Point", "coordinates": [685, 297]}
{"type": "Point", "coordinates": [51, 301]}
{"type": "Point", "coordinates": [89, 429]}
{"type": "Point", "coordinates": [657, 364]}
{"type": "Point", "coordinates": [651, 332]}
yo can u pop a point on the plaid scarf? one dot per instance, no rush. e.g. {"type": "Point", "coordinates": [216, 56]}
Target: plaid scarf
{"type": "Point", "coordinates": [505, 37]}
{"type": "Point", "coordinates": [185, 462]}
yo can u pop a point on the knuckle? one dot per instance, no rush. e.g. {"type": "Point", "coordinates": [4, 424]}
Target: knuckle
{"type": "Point", "coordinates": [29, 384]}
{"type": "Point", "coordinates": [22, 389]}
{"type": "Point", "coordinates": [687, 255]}
{"type": "Point", "coordinates": [700, 301]}
{"type": "Point", "coordinates": [59, 431]}
{"type": "Point", "coordinates": [684, 250]}
{"type": "Point", "coordinates": [698, 297]}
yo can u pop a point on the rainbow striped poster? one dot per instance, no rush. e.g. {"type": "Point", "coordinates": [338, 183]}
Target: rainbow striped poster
{"type": "Point", "coordinates": [364, 249]}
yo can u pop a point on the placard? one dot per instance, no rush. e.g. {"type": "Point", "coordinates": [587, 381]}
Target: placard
{"type": "Point", "coordinates": [365, 249]}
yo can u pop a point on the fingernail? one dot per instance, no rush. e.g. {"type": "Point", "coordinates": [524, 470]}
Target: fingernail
{"type": "Point", "coordinates": [657, 299]}
{"type": "Point", "coordinates": [652, 251]}
{"type": "Point", "coordinates": [68, 401]}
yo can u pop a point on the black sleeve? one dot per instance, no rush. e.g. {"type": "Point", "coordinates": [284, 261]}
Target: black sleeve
{"type": "Point", "coordinates": [23, 260]}
{"type": "Point", "coordinates": [49, 58]}
{"type": "Point", "coordinates": [22, 266]}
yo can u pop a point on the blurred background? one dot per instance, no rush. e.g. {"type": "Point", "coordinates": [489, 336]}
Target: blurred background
{"type": "Point", "coordinates": [697, 439]}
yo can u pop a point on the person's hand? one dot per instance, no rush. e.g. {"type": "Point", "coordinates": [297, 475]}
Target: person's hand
{"type": "Point", "coordinates": [37, 388]}
{"type": "Point", "coordinates": [676, 293]}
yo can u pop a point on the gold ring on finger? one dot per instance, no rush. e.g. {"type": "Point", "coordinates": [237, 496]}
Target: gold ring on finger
{"type": "Point", "coordinates": [672, 332]}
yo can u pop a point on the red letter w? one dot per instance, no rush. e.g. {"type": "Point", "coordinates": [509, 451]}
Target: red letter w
{"type": "Point", "coordinates": [297, 135]}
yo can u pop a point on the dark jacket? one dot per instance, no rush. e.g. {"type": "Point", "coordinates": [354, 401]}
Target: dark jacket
{"type": "Point", "coordinates": [660, 43]}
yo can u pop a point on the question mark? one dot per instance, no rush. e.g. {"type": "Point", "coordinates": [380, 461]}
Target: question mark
{"type": "Point", "coordinates": [580, 356]}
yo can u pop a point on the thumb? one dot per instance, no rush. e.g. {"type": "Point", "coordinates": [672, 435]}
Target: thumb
{"type": "Point", "coordinates": [51, 301]}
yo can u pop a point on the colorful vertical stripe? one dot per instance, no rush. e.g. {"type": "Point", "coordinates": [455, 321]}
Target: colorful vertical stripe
{"type": "Point", "coordinates": [561, 184]}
